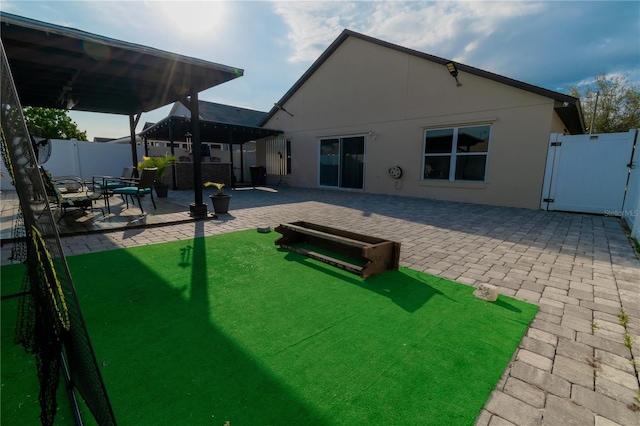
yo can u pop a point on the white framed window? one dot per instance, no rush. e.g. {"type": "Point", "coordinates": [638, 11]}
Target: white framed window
{"type": "Point", "coordinates": [456, 153]}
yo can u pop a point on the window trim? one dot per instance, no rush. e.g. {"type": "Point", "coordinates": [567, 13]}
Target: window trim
{"type": "Point", "coordinates": [454, 154]}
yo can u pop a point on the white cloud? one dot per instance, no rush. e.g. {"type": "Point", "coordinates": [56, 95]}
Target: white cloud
{"type": "Point", "coordinates": [432, 27]}
{"type": "Point", "coordinates": [313, 25]}
{"type": "Point", "coordinates": [546, 43]}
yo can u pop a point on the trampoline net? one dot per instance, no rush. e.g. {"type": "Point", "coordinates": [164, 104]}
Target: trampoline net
{"type": "Point", "coordinates": [49, 322]}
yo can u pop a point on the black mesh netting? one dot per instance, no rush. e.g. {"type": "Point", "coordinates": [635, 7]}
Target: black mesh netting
{"type": "Point", "coordinates": [19, 237]}
{"type": "Point", "coordinates": [50, 323]}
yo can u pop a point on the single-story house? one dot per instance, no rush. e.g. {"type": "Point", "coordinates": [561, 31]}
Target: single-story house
{"type": "Point", "coordinates": [376, 117]}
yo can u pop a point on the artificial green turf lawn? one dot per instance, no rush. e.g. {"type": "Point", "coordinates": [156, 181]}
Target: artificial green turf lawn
{"type": "Point", "coordinates": [231, 327]}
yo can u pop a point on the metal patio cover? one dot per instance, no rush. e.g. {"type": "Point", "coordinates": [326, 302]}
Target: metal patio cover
{"type": "Point", "coordinates": [218, 123]}
{"type": "Point", "coordinates": [210, 131]}
{"type": "Point", "coordinates": [51, 63]}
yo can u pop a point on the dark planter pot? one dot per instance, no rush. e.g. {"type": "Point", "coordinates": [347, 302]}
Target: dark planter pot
{"type": "Point", "coordinates": [220, 203]}
{"type": "Point", "coordinates": [162, 190]}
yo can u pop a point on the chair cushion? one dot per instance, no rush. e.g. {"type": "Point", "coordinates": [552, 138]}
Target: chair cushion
{"type": "Point", "coordinates": [131, 190]}
{"type": "Point", "coordinates": [114, 185]}
{"type": "Point", "coordinates": [78, 199]}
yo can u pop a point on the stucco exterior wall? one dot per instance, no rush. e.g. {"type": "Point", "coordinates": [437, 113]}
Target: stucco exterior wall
{"type": "Point", "coordinates": [363, 87]}
{"type": "Point", "coordinates": [557, 126]}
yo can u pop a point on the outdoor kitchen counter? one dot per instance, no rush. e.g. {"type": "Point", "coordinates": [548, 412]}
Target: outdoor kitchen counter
{"type": "Point", "coordinates": [211, 172]}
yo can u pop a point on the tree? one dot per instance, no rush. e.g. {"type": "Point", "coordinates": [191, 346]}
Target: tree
{"type": "Point", "coordinates": [52, 124]}
{"type": "Point", "coordinates": [618, 104]}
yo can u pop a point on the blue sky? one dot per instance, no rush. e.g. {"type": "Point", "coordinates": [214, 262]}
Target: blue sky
{"type": "Point", "coordinates": [552, 44]}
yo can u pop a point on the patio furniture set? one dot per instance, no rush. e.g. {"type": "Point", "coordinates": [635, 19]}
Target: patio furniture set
{"type": "Point", "coordinates": [72, 192]}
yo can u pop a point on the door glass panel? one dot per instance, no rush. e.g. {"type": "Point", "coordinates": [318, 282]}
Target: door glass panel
{"type": "Point", "coordinates": [352, 162]}
{"type": "Point", "coordinates": [329, 162]}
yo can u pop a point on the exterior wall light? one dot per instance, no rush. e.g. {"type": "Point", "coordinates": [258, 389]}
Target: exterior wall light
{"type": "Point", "coordinates": [451, 66]}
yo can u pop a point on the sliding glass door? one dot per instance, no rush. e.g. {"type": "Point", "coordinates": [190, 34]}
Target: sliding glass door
{"type": "Point", "coordinates": [342, 162]}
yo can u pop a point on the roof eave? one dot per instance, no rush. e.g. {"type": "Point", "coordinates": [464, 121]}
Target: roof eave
{"type": "Point", "coordinates": [138, 75]}
{"type": "Point", "coordinates": [111, 42]}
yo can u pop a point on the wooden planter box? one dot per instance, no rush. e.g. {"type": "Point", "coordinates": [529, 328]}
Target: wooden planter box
{"type": "Point", "coordinates": [377, 254]}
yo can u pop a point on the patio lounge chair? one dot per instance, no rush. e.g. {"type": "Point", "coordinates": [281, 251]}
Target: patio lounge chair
{"type": "Point", "coordinates": [143, 186]}
{"type": "Point", "coordinates": [67, 192]}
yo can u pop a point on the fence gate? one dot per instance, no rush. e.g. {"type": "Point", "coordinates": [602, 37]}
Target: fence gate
{"type": "Point", "coordinates": [588, 173]}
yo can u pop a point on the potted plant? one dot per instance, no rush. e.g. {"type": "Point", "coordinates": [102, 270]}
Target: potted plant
{"type": "Point", "coordinates": [161, 163]}
{"type": "Point", "coordinates": [220, 200]}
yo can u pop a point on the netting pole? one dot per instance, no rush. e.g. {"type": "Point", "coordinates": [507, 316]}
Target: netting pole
{"type": "Point", "coordinates": [72, 395]}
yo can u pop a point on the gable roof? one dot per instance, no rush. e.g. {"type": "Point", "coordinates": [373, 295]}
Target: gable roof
{"type": "Point", "coordinates": [220, 113]}
{"type": "Point", "coordinates": [567, 107]}
{"type": "Point", "coordinates": [218, 123]}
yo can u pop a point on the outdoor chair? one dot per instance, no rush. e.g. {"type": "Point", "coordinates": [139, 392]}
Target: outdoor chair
{"type": "Point", "coordinates": [106, 184]}
{"type": "Point", "coordinates": [143, 186]}
{"type": "Point", "coordinates": [112, 182]}
{"type": "Point", "coordinates": [67, 192]}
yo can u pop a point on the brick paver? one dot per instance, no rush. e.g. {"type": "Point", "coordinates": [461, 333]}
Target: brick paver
{"type": "Point", "coordinates": [572, 366]}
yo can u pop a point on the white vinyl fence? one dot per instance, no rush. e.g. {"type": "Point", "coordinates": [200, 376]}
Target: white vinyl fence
{"type": "Point", "coordinates": [597, 174]}
{"type": "Point", "coordinates": [88, 159]}
{"type": "Point", "coordinates": [631, 207]}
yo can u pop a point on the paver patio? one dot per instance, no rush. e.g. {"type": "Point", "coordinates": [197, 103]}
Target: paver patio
{"type": "Point", "coordinates": [572, 367]}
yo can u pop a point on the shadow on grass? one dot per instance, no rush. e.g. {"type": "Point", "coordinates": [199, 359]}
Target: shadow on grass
{"type": "Point", "coordinates": [211, 330]}
{"type": "Point", "coordinates": [405, 291]}
{"type": "Point", "coordinates": [164, 360]}
{"type": "Point", "coordinates": [402, 289]}
{"type": "Point", "coordinates": [504, 304]}
{"type": "Point", "coordinates": [189, 370]}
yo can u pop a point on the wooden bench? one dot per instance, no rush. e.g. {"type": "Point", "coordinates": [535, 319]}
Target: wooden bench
{"type": "Point", "coordinates": [377, 254]}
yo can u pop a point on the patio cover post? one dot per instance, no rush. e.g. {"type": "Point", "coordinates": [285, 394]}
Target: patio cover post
{"type": "Point", "coordinates": [173, 152]}
{"type": "Point", "coordinates": [133, 122]}
{"type": "Point", "coordinates": [232, 174]}
{"type": "Point", "coordinates": [242, 162]}
{"type": "Point", "coordinates": [197, 208]}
